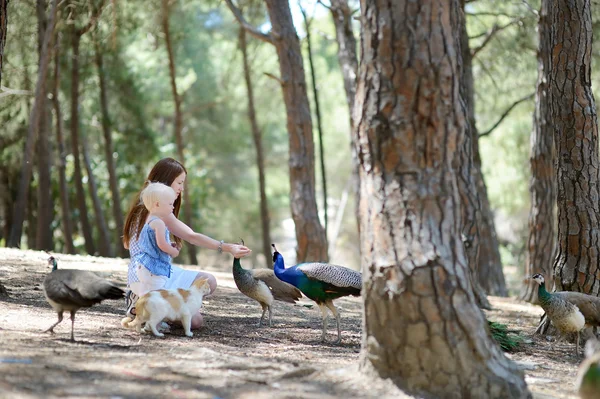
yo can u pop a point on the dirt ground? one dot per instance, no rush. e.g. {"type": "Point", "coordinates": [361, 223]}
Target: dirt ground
{"type": "Point", "coordinates": [230, 357]}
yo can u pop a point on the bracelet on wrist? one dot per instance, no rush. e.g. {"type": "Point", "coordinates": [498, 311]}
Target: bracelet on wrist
{"type": "Point", "coordinates": [220, 248]}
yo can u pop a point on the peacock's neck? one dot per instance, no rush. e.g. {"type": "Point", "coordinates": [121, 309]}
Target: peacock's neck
{"type": "Point", "coordinates": [54, 266]}
{"type": "Point", "coordinates": [543, 295]}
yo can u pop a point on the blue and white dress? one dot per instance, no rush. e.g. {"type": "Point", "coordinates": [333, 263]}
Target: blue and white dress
{"type": "Point", "coordinates": [178, 278]}
{"type": "Point", "coordinates": [151, 256]}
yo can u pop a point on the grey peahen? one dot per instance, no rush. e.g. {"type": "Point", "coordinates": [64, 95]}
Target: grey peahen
{"type": "Point", "coordinates": [264, 287]}
{"type": "Point", "coordinates": [564, 315]}
{"type": "Point", "coordinates": [321, 282]}
{"type": "Point", "coordinates": [71, 290]}
{"type": "Point", "coordinates": [588, 376]}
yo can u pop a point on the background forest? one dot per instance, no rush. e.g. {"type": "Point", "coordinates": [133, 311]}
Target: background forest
{"type": "Point", "coordinates": [123, 50]}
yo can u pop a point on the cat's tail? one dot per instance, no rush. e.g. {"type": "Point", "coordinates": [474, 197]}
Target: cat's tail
{"type": "Point", "coordinates": [127, 322]}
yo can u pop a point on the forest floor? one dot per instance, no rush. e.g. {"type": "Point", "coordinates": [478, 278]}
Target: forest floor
{"type": "Point", "coordinates": [230, 357]}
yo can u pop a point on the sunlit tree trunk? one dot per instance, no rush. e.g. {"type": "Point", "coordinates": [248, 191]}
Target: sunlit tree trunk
{"type": "Point", "coordinates": [542, 187]}
{"type": "Point", "coordinates": [312, 243]}
{"type": "Point", "coordinates": [44, 198]}
{"type": "Point", "coordinates": [109, 152]}
{"type": "Point", "coordinates": [3, 31]}
{"type": "Point", "coordinates": [67, 226]}
{"type": "Point", "coordinates": [187, 205]}
{"type": "Point", "coordinates": [575, 127]}
{"type": "Point", "coordinates": [342, 19]}
{"type": "Point", "coordinates": [260, 157]}
{"type": "Point", "coordinates": [34, 121]}
{"type": "Point", "coordinates": [86, 228]}
{"type": "Point", "coordinates": [422, 327]}
{"type": "Point", "coordinates": [467, 188]}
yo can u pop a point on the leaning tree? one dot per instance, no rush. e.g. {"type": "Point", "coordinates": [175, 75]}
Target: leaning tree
{"type": "Point", "coordinates": [422, 327]}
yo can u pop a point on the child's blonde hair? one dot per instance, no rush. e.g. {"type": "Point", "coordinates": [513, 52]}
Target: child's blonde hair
{"type": "Point", "coordinates": [156, 192]}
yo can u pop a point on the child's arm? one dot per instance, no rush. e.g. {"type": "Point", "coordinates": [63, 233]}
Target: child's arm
{"type": "Point", "coordinates": [159, 228]}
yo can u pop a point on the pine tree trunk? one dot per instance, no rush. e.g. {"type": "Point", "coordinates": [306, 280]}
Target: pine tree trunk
{"type": "Point", "coordinates": [86, 229]}
{"type": "Point", "coordinates": [467, 188]}
{"type": "Point", "coordinates": [187, 205]}
{"type": "Point", "coordinates": [575, 127]}
{"type": "Point", "coordinates": [422, 327]}
{"type": "Point", "coordinates": [540, 244]}
{"type": "Point", "coordinates": [260, 157]}
{"type": "Point", "coordinates": [44, 203]}
{"type": "Point", "coordinates": [67, 226]}
{"type": "Point", "coordinates": [108, 153]}
{"type": "Point", "coordinates": [34, 121]}
{"type": "Point", "coordinates": [104, 249]}
{"type": "Point", "coordinates": [312, 243]}
{"type": "Point", "coordinates": [3, 31]}
{"type": "Point", "coordinates": [342, 19]}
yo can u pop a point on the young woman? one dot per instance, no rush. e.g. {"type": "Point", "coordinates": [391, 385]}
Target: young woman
{"type": "Point", "coordinates": [172, 173]}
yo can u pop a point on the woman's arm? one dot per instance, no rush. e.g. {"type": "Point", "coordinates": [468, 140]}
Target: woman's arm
{"type": "Point", "coordinates": [183, 231]}
{"type": "Point", "coordinates": [159, 229]}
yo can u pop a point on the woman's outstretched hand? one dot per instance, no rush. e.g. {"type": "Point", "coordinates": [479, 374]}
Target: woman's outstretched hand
{"type": "Point", "coordinates": [238, 251]}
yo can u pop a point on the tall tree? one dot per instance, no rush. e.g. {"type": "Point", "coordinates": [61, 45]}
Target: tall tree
{"type": "Point", "coordinates": [109, 149]}
{"type": "Point", "coordinates": [575, 127]}
{"type": "Point", "coordinates": [310, 235]}
{"type": "Point", "coordinates": [187, 205]}
{"type": "Point", "coordinates": [67, 225]}
{"type": "Point", "coordinates": [34, 121]}
{"type": "Point", "coordinates": [422, 327]}
{"type": "Point", "coordinates": [260, 156]}
{"type": "Point", "coordinates": [342, 19]}
{"type": "Point", "coordinates": [3, 31]}
{"type": "Point", "coordinates": [44, 198]}
{"type": "Point", "coordinates": [542, 187]}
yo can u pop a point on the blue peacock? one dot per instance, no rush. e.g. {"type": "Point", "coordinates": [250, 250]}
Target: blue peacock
{"type": "Point", "coordinates": [321, 282]}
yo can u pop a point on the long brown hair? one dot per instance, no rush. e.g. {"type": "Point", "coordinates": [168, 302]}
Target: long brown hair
{"type": "Point", "coordinates": [165, 171]}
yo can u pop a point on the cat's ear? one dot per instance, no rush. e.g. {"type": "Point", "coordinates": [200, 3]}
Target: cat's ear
{"type": "Point", "coordinates": [200, 282]}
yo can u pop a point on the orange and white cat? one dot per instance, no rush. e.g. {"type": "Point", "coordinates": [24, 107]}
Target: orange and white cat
{"type": "Point", "coordinates": [173, 305]}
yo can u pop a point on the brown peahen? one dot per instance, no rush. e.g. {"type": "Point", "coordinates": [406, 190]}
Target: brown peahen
{"type": "Point", "coordinates": [71, 290]}
{"type": "Point", "coordinates": [264, 287]}
{"type": "Point", "coordinates": [321, 282]}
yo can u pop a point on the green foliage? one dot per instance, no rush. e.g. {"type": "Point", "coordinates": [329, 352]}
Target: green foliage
{"type": "Point", "coordinates": [509, 340]}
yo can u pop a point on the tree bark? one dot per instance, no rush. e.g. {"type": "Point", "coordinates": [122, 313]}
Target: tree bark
{"type": "Point", "coordinates": [109, 152]}
{"type": "Point", "coordinates": [342, 19]}
{"type": "Point", "coordinates": [67, 226]}
{"type": "Point", "coordinates": [422, 327]}
{"type": "Point", "coordinates": [34, 120]}
{"type": "Point", "coordinates": [187, 205]}
{"type": "Point", "coordinates": [540, 244]}
{"type": "Point", "coordinates": [86, 228]}
{"type": "Point", "coordinates": [260, 157]}
{"type": "Point", "coordinates": [318, 116]}
{"type": "Point", "coordinates": [467, 187]}
{"type": "Point", "coordinates": [312, 242]}
{"type": "Point", "coordinates": [575, 127]}
{"type": "Point", "coordinates": [3, 31]}
{"type": "Point", "coordinates": [44, 198]}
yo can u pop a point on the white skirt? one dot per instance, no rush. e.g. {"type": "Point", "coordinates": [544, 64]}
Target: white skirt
{"type": "Point", "coordinates": [180, 278]}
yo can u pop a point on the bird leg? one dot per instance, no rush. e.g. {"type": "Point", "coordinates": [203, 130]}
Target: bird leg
{"type": "Point", "coordinates": [324, 313]}
{"type": "Point", "coordinates": [264, 308]}
{"type": "Point", "coordinates": [333, 309]}
{"type": "Point", "coordinates": [577, 345]}
{"type": "Point", "coordinates": [270, 314]}
{"type": "Point", "coordinates": [51, 328]}
{"type": "Point", "coordinates": [72, 325]}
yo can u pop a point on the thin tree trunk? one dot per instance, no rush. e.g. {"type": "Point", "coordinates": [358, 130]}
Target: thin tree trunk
{"type": "Point", "coordinates": [260, 157]}
{"type": "Point", "coordinates": [44, 198]}
{"type": "Point", "coordinates": [187, 205]}
{"type": "Point", "coordinates": [575, 127]}
{"type": "Point", "coordinates": [422, 327]}
{"type": "Point", "coordinates": [312, 242]}
{"type": "Point", "coordinates": [104, 249]}
{"type": "Point", "coordinates": [109, 151]}
{"type": "Point", "coordinates": [67, 227]}
{"type": "Point", "coordinates": [34, 120]}
{"type": "Point", "coordinates": [3, 31]}
{"type": "Point", "coordinates": [86, 228]}
{"type": "Point", "coordinates": [467, 188]}
{"type": "Point", "coordinates": [540, 248]}
{"type": "Point", "coordinates": [318, 116]}
{"type": "Point", "coordinates": [342, 19]}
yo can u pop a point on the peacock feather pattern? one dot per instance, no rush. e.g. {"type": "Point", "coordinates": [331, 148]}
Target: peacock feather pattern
{"type": "Point", "coordinates": [321, 282]}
